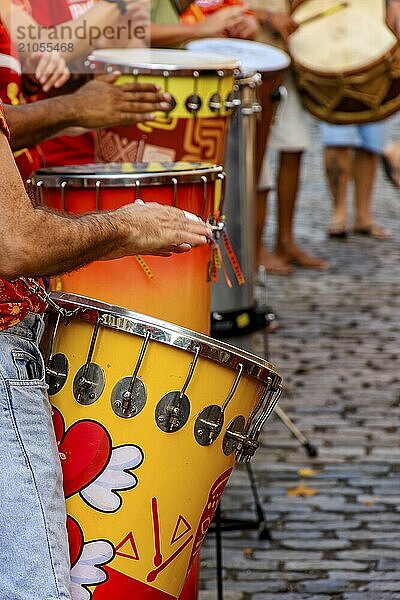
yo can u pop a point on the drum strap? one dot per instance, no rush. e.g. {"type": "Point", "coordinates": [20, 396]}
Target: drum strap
{"type": "Point", "coordinates": [218, 262]}
{"type": "Point", "coordinates": [182, 5]}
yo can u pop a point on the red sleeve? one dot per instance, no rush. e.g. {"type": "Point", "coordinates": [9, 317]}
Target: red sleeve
{"type": "Point", "coordinates": [3, 122]}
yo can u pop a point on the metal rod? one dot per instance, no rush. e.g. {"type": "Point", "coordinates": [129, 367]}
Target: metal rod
{"type": "Point", "coordinates": [218, 548]}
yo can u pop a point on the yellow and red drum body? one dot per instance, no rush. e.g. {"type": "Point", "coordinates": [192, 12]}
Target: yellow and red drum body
{"type": "Point", "coordinates": [149, 418]}
{"type": "Point", "coordinates": [196, 126]}
{"type": "Point", "coordinates": [176, 289]}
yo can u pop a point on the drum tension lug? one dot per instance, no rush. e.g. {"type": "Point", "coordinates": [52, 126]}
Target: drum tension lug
{"type": "Point", "coordinates": [172, 412]}
{"type": "Point", "coordinates": [57, 373]}
{"type": "Point", "coordinates": [88, 384]}
{"type": "Point", "coordinates": [208, 425]}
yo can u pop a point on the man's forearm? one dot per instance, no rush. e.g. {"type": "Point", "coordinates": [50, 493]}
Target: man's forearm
{"type": "Point", "coordinates": [173, 35]}
{"type": "Point", "coordinates": [37, 241]}
{"type": "Point", "coordinates": [30, 124]}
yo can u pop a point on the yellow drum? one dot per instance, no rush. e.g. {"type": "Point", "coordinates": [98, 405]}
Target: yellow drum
{"type": "Point", "coordinates": [195, 129]}
{"type": "Point", "coordinates": [149, 418]}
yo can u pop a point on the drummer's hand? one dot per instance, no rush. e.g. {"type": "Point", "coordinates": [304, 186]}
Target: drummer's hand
{"type": "Point", "coordinates": [100, 103]}
{"type": "Point", "coordinates": [49, 69]}
{"type": "Point", "coordinates": [158, 230]}
{"type": "Point", "coordinates": [246, 29]}
{"type": "Point", "coordinates": [281, 23]}
{"type": "Point", "coordinates": [393, 17]}
{"type": "Point", "coordinates": [219, 23]}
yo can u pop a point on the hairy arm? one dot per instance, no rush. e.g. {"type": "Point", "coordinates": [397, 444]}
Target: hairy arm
{"type": "Point", "coordinates": [36, 241]}
{"type": "Point", "coordinates": [30, 124]}
{"type": "Point", "coordinates": [120, 105]}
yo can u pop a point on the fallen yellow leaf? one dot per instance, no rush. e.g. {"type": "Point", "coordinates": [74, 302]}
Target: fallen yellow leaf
{"type": "Point", "coordinates": [308, 472]}
{"type": "Point", "coordinates": [248, 552]}
{"type": "Point", "coordinates": [301, 491]}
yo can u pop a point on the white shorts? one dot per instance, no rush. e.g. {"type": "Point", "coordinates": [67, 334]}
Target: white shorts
{"type": "Point", "coordinates": [289, 132]}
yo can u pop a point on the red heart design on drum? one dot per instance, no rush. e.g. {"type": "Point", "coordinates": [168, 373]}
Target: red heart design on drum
{"type": "Point", "coordinates": [85, 450]}
{"type": "Point", "coordinates": [75, 540]}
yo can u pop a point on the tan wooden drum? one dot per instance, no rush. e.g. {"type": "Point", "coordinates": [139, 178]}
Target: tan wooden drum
{"type": "Point", "coordinates": [347, 63]}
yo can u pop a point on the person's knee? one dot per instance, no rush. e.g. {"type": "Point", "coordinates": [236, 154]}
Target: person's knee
{"type": "Point", "coordinates": [337, 164]}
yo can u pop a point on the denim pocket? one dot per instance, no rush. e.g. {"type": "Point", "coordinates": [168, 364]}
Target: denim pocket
{"type": "Point", "coordinates": [29, 367]}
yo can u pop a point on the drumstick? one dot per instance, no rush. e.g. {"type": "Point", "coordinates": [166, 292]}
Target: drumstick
{"type": "Point", "coordinates": [324, 13]}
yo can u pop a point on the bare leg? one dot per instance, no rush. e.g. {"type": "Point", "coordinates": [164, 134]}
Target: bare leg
{"type": "Point", "coordinates": [288, 184]}
{"type": "Point", "coordinates": [270, 262]}
{"type": "Point", "coordinates": [364, 176]}
{"type": "Point", "coordinates": [338, 168]}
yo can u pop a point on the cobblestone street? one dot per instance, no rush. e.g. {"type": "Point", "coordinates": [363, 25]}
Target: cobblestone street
{"type": "Point", "coordinates": [338, 349]}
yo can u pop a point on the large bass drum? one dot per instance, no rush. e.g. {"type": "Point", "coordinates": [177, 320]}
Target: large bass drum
{"type": "Point", "coordinates": [347, 63]}
{"type": "Point", "coordinates": [149, 418]}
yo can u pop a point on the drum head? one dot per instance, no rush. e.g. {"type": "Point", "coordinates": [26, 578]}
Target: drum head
{"type": "Point", "coordinates": [344, 41]}
{"type": "Point", "coordinates": [158, 61]}
{"type": "Point", "coordinates": [252, 56]}
{"type": "Point", "coordinates": [125, 174]}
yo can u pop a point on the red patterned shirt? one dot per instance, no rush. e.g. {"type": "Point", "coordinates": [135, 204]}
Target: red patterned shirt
{"type": "Point", "coordinates": [16, 301]}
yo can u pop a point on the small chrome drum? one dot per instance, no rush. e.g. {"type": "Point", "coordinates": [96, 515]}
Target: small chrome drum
{"type": "Point", "coordinates": [177, 289]}
{"type": "Point", "coordinates": [149, 418]}
{"type": "Point", "coordinates": [347, 63]}
{"type": "Point", "coordinates": [254, 57]}
{"type": "Point", "coordinates": [194, 129]}
{"type": "Point", "coordinates": [262, 68]}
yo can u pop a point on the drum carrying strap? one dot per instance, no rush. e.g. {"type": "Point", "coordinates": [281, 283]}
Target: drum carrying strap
{"type": "Point", "coordinates": [182, 5]}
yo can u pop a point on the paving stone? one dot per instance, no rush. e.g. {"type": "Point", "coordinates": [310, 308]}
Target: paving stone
{"type": "Point", "coordinates": [325, 544]}
{"type": "Point", "coordinates": [324, 586]}
{"type": "Point", "coordinates": [371, 596]}
{"type": "Point", "coordinates": [288, 597]}
{"type": "Point", "coordinates": [228, 595]}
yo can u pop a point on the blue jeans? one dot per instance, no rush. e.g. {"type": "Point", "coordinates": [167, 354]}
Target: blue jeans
{"type": "Point", "coordinates": [34, 558]}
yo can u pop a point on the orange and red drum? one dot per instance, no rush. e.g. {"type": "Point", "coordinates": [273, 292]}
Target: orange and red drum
{"type": "Point", "coordinates": [176, 289]}
{"type": "Point", "coordinates": [149, 418]}
{"type": "Point", "coordinates": [194, 129]}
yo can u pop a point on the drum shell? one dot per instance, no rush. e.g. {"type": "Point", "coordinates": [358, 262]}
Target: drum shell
{"type": "Point", "coordinates": [178, 289]}
{"type": "Point", "coordinates": [178, 135]}
{"type": "Point", "coordinates": [240, 205]}
{"type": "Point", "coordinates": [254, 57]}
{"type": "Point", "coordinates": [176, 471]}
{"type": "Point", "coordinates": [366, 94]}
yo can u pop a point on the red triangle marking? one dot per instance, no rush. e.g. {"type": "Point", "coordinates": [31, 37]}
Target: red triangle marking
{"type": "Point", "coordinates": [184, 528]}
{"type": "Point", "coordinates": [128, 540]}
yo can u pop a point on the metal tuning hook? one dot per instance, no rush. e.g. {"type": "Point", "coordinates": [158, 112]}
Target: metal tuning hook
{"type": "Point", "coordinates": [129, 395]}
{"type": "Point", "coordinates": [210, 421]}
{"type": "Point", "coordinates": [173, 410]}
{"type": "Point", "coordinates": [89, 381]}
